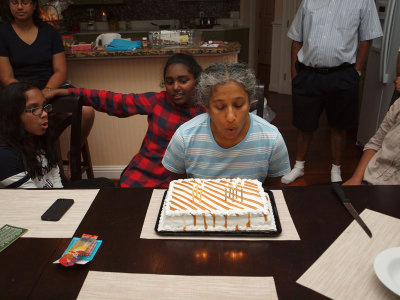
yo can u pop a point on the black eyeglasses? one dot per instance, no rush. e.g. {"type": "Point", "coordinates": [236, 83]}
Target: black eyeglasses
{"type": "Point", "coordinates": [37, 111]}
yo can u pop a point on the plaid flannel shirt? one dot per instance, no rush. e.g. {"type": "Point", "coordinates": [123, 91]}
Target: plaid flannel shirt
{"type": "Point", "coordinates": [164, 117]}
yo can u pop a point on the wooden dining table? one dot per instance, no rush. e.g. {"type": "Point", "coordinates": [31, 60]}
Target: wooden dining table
{"type": "Point", "coordinates": [117, 215]}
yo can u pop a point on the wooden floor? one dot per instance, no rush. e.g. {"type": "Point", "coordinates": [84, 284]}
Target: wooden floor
{"type": "Point", "coordinates": [319, 159]}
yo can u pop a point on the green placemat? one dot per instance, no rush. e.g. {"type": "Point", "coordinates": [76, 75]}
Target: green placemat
{"type": "Point", "coordinates": [8, 234]}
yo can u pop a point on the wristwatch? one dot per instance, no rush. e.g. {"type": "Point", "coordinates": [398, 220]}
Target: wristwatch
{"type": "Point", "coordinates": [359, 73]}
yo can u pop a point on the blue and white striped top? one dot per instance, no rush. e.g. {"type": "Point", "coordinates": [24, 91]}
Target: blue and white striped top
{"type": "Point", "coordinates": [331, 30]}
{"type": "Point", "coordinates": [193, 150]}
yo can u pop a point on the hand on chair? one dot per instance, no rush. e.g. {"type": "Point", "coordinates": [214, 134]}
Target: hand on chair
{"type": "Point", "coordinates": [51, 93]}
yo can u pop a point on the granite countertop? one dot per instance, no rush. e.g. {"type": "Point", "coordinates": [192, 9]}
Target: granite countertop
{"type": "Point", "coordinates": [147, 29]}
{"type": "Point", "coordinates": [231, 47]}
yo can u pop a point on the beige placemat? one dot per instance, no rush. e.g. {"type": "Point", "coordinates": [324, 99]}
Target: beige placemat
{"type": "Point", "coordinates": [289, 231]}
{"type": "Point", "coordinates": [107, 285]}
{"type": "Point", "coordinates": [23, 208]}
{"type": "Point", "coordinates": [346, 269]}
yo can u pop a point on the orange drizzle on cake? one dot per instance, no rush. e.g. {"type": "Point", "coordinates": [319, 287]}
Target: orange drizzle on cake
{"type": "Point", "coordinates": [226, 221]}
{"type": "Point", "coordinates": [205, 222]}
{"type": "Point", "coordinates": [248, 223]}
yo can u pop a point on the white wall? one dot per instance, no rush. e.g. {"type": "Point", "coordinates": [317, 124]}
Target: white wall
{"type": "Point", "coordinates": [280, 81]}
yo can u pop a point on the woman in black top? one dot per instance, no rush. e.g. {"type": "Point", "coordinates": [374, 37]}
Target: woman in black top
{"type": "Point", "coordinates": [29, 48]}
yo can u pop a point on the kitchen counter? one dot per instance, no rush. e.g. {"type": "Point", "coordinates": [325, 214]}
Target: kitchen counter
{"type": "Point", "coordinates": [147, 29]}
{"type": "Point", "coordinates": [232, 47]}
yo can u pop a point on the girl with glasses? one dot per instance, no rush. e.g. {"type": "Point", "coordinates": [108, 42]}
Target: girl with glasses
{"type": "Point", "coordinates": [32, 50]}
{"type": "Point", "coordinates": [28, 157]}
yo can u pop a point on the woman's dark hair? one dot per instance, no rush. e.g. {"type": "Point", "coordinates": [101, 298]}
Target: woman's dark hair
{"type": "Point", "coordinates": [6, 12]}
{"type": "Point", "coordinates": [185, 59]}
{"type": "Point", "coordinates": [13, 133]}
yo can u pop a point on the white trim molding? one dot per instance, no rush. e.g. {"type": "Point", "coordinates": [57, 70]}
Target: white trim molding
{"type": "Point", "coordinates": [111, 171]}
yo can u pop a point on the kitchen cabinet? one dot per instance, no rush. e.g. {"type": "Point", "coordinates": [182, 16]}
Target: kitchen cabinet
{"type": "Point", "coordinates": [97, 2]}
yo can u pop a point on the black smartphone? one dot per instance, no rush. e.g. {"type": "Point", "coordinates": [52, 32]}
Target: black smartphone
{"type": "Point", "coordinates": [57, 209]}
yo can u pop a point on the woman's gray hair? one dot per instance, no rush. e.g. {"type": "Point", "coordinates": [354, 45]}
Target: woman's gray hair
{"type": "Point", "coordinates": [221, 73]}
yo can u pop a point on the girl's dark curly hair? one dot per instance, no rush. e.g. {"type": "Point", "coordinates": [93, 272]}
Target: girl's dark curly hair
{"type": "Point", "coordinates": [185, 59]}
{"type": "Point", "coordinates": [6, 12]}
{"type": "Point", "coordinates": [13, 133]}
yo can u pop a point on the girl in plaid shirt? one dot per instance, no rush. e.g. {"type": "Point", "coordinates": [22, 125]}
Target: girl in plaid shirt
{"type": "Point", "coordinates": [166, 111]}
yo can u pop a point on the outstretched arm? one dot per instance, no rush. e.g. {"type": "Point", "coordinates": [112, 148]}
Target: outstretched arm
{"type": "Point", "coordinates": [358, 175]}
{"type": "Point", "coordinates": [51, 93]}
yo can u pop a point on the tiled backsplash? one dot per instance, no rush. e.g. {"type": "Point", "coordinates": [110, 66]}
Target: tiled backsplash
{"type": "Point", "coordinates": [154, 10]}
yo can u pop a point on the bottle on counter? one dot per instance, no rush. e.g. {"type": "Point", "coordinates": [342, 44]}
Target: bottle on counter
{"type": "Point", "coordinates": [144, 42]}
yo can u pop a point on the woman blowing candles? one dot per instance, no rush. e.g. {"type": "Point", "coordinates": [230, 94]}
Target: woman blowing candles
{"type": "Point", "coordinates": [27, 155]}
{"type": "Point", "coordinates": [227, 141]}
{"type": "Point", "coordinates": [166, 111]}
{"type": "Point", "coordinates": [32, 50]}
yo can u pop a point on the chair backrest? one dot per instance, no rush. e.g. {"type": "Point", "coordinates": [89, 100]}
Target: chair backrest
{"type": "Point", "coordinates": [73, 105]}
{"type": "Point", "coordinates": [258, 103]}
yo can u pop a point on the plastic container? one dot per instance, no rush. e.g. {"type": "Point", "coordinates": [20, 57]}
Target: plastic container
{"type": "Point", "coordinates": [83, 47]}
{"type": "Point", "coordinates": [144, 42]}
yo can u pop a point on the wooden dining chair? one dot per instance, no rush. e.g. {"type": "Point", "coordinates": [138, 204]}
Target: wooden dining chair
{"type": "Point", "coordinates": [258, 103]}
{"type": "Point", "coordinates": [79, 156]}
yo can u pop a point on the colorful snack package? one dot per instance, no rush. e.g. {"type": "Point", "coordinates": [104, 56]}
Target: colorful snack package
{"type": "Point", "coordinates": [84, 246]}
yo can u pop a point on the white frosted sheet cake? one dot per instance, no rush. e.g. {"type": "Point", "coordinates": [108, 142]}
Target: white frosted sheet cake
{"type": "Point", "coordinates": [221, 205]}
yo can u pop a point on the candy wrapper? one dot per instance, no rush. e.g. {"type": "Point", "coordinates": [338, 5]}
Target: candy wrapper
{"type": "Point", "coordinates": [80, 250]}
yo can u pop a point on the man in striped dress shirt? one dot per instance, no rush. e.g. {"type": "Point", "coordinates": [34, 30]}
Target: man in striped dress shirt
{"type": "Point", "coordinates": [331, 41]}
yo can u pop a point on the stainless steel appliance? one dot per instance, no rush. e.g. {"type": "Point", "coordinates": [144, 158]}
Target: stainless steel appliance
{"type": "Point", "coordinates": [381, 71]}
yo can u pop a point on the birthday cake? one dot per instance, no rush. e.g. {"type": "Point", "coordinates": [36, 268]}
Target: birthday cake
{"type": "Point", "coordinates": [227, 205]}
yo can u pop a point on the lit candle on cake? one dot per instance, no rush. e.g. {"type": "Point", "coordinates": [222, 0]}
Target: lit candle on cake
{"type": "Point", "coordinates": [197, 191]}
{"type": "Point", "coordinates": [225, 193]}
{"type": "Point", "coordinates": [201, 189]}
{"type": "Point", "coordinates": [236, 189]}
{"type": "Point", "coordinates": [242, 191]}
